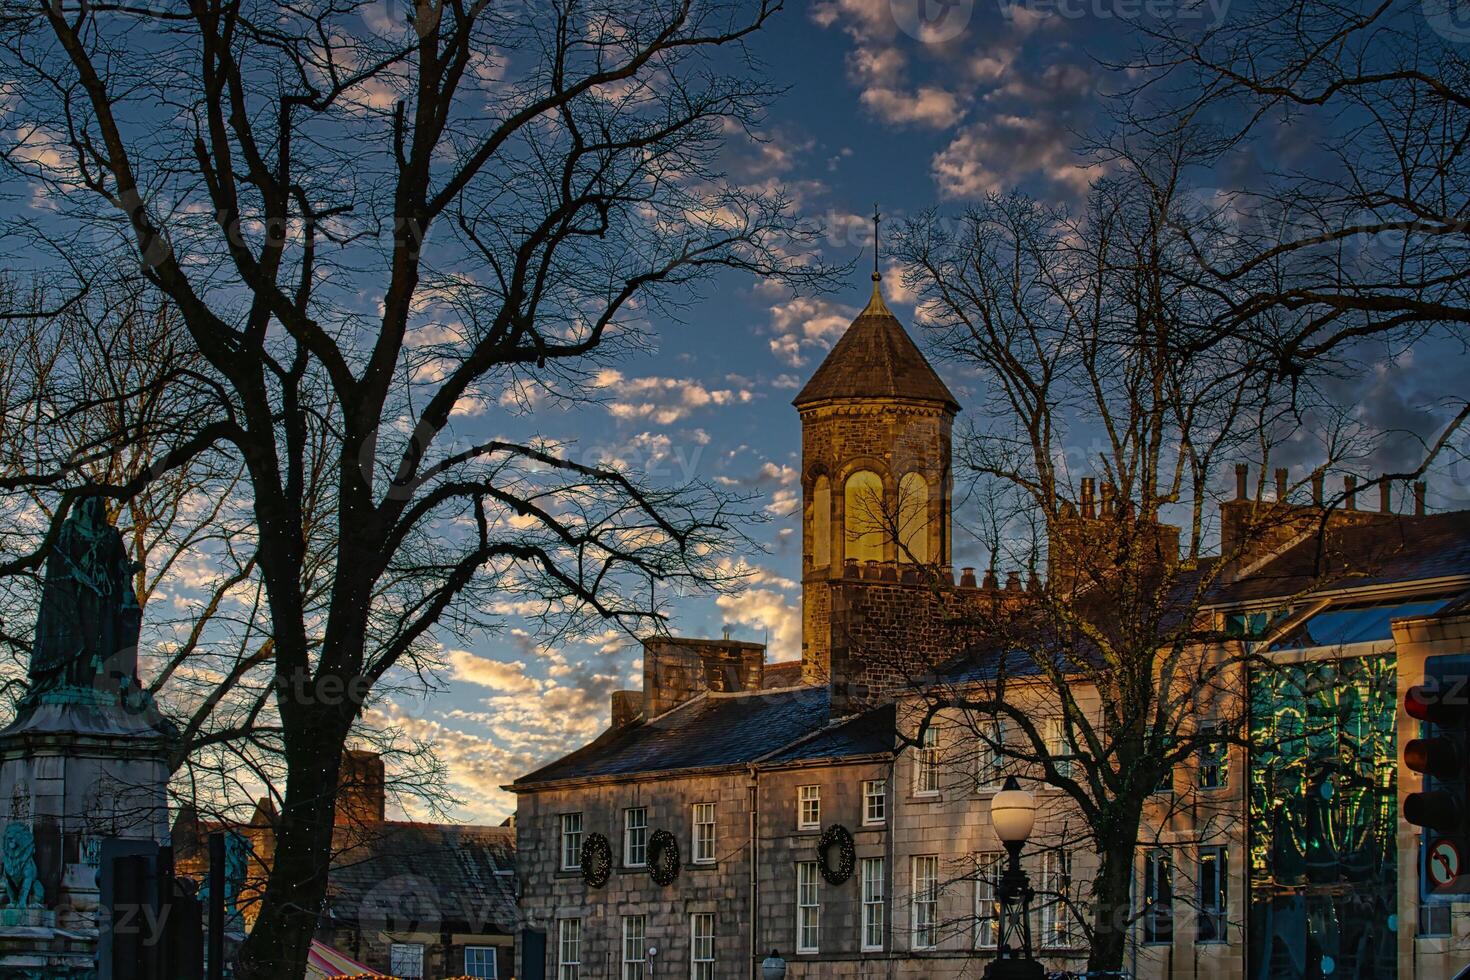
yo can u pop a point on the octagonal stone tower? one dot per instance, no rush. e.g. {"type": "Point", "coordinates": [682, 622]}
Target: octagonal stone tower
{"type": "Point", "coordinates": [876, 482]}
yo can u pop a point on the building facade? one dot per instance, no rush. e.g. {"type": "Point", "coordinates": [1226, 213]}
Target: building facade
{"type": "Point", "coordinates": [1281, 856]}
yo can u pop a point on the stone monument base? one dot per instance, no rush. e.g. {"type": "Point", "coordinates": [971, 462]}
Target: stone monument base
{"type": "Point", "coordinates": [33, 948]}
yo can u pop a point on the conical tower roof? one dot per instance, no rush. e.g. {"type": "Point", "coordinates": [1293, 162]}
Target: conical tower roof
{"type": "Point", "coordinates": [876, 358]}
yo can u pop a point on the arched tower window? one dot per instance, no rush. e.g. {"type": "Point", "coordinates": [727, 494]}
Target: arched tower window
{"type": "Point", "coordinates": [863, 516]}
{"type": "Point", "coordinates": [913, 518]}
{"type": "Point", "coordinates": [822, 523]}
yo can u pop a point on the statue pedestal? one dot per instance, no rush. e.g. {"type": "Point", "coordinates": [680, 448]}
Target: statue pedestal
{"type": "Point", "coordinates": [76, 767]}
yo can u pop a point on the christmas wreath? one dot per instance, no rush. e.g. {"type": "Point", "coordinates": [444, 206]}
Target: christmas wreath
{"type": "Point", "coordinates": [663, 857]}
{"type": "Point", "coordinates": [846, 854]}
{"type": "Point", "coordinates": [596, 860]}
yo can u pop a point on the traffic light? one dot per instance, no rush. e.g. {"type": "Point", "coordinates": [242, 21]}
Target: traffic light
{"type": "Point", "coordinates": [1442, 756]}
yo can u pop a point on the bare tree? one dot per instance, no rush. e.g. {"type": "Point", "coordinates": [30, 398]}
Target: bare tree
{"type": "Point", "coordinates": [368, 215]}
{"type": "Point", "coordinates": [1102, 355]}
{"type": "Point", "coordinates": [1363, 237]}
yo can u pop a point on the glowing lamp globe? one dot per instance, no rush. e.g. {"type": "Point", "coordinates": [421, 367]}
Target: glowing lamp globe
{"type": "Point", "coordinates": [1013, 812]}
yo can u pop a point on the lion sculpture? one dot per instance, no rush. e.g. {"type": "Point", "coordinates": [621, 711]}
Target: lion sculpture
{"type": "Point", "coordinates": [18, 868]}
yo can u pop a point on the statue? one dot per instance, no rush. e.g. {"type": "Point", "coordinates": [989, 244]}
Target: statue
{"type": "Point", "coordinates": [87, 630]}
{"type": "Point", "coordinates": [238, 853]}
{"type": "Point", "coordinates": [22, 890]}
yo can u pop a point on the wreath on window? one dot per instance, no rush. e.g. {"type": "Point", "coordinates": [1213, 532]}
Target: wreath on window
{"type": "Point", "coordinates": [663, 857]}
{"type": "Point", "coordinates": [846, 854]}
{"type": "Point", "coordinates": [596, 860]}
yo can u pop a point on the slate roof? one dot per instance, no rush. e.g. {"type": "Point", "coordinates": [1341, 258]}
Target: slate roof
{"type": "Point", "coordinates": [461, 876]}
{"type": "Point", "coordinates": [870, 733]}
{"type": "Point", "coordinates": [726, 730]}
{"type": "Point", "coordinates": [876, 358]}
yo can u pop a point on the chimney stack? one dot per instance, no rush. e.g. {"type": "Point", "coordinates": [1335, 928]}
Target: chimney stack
{"type": "Point", "coordinates": [1242, 477]}
{"type": "Point", "coordinates": [1282, 476]}
{"type": "Point", "coordinates": [1319, 479]}
{"type": "Point", "coordinates": [992, 581]}
{"type": "Point", "coordinates": [1385, 497]}
{"type": "Point", "coordinates": [1419, 489]}
{"type": "Point", "coordinates": [1089, 507]}
{"type": "Point", "coordinates": [1350, 492]}
{"type": "Point", "coordinates": [1107, 499]}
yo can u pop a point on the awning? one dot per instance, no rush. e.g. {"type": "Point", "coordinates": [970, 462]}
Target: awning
{"type": "Point", "coordinates": [324, 961]}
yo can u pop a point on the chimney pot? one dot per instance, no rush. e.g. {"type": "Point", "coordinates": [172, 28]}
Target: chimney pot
{"type": "Point", "coordinates": [967, 578]}
{"type": "Point", "coordinates": [1419, 489]}
{"type": "Point", "coordinates": [1282, 477]}
{"type": "Point", "coordinates": [1319, 479]}
{"type": "Point", "coordinates": [1242, 477]}
{"type": "Point", "coordinates": [991, 580]}
{"type": "Point", "coordinates": [1107, 499]}
{"type": "Point", "coordinates": [1385, 497]}
{"type": "Point", "coordinates": [1033, 584]}
{"type": "Point", "coordinates": [1089, 508]}
{"type": "Point", "coordinates": [1013, 581]}
{"type": "Point", "coordinates": [1350, 492]}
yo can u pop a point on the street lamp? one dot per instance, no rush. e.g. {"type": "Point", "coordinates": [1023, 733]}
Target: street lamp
{"type": "Point", "coordinates": [1013, 814]}
{"type": "Point", "coordinates": [773, 967]}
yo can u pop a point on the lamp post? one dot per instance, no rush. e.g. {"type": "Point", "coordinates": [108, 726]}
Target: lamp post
{"type": "Point", "coordinates": [1013, 814]}
{"type": "Point", "coordinates": [773, 967]}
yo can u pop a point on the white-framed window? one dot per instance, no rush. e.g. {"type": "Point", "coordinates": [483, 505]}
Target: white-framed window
{"type": "Point", "coordinates": [703, 838]}
{"type": "Point", "coordinates": [406, 960]}
{"type": "Point", "coordinates": [808, 907]}
{"type": "Point", "coordinates": [571, 841]}
{"type": "Point", "coordinates": [702, 946]}
{"type": "Point", "coordinates": [1214, 873]}
{"type": "Point", "coordinates": [926, 762]}
{"type": "Point", "coordinates": [926, 901]}
{"type": "Point", "coordinates": [1158, 898]}
{"type": "Point", "coordinates": [635, 946]}
{"type": "Point", "coordinates": [1057, 747]}
{"type": "Point", "coordinates": [479, 961]}
{"type": "Point", "coordinates": [872, 904]}
{"type": "Point", "coordinates": [875, 801]}
{"type": "Point", "coordinates": [1055, 897]}
{"type": "Point", "coordinates": [988, 865]}
{"type": "Point", "coordinates": [635, 837]}
{"type": "Point", "coordinates": [808, 807]}
{"type": "Point", "coordinates": [990, 770]}
{"type": "Point", "coordinates": [569, 949]}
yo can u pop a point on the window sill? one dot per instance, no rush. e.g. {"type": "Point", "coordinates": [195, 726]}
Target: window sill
{"type": "Point", "coordinates": [874, 824]}
{"type": "Point", "coordinates": [929, 795]}
{"type": "Point", "coordinates": [808, 952]}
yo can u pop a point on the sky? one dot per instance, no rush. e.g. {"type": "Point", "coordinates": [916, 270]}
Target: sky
{"type": "Point", "coordinates": [884, 107]}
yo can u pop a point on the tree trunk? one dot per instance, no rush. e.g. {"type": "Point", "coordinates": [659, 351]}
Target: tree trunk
{"type": "Point", "coordinates": [277, 946]}
{"type": "Point", "coordinates": [1112, 911]}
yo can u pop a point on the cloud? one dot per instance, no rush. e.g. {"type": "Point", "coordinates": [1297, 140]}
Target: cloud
{"type": "Point", "coordinates": [803, 324]}
{"type": "Point", "coordinates": [993, 155]}
{"type": "Point", "coordinates": [662, 400]}
{"type": "Point", "coordinates": [508, 678]}
{"type": "Point", "coordinates": [928, 106]}
{"type": "Point", "coordinates": [767, 609]}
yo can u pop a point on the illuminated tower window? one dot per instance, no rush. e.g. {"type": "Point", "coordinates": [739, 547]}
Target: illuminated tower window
{"type": "Point", "coordinates": [913, 518]}
{"type": "Point", "coordinates": [863, 516]}
{"type": "Point", "coordinates": [822, 523]}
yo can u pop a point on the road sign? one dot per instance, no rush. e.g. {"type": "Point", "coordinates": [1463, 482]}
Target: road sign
{"type": "Point", "coordinates": [1444, 863]}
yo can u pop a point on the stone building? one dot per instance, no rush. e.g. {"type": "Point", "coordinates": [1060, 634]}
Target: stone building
{"type": "Point", "coordinates": [1284, 857]}
{"type": "Point", "coordinates": [418, 901]}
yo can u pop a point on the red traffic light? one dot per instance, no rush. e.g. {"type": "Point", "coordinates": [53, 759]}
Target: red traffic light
{"type": "Point", "coordinates": [1423, 702]}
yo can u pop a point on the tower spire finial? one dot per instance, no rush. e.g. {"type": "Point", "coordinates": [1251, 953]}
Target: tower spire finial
{"type": "Point", "coordinates": [877, 217]}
